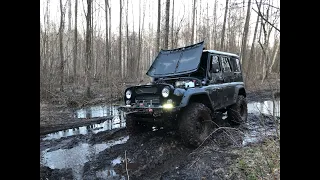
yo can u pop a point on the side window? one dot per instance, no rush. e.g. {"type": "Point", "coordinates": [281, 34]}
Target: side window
{"type": "Point", "coordinates": [215, 66]}
{"type": "Point", "coordinates": [236, 65]}
{"type": "Point", "coordinates": [225, 64]}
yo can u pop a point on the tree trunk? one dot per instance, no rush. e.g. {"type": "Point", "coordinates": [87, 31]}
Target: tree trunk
{"type": "Point", "coordinates": [172, 23]}
{"type": "Point", "coordinates": [139, 47]}
{"type": "Point", "coordinates": [193, 19]}
{"type": "Point", "coordinates": [207, 36]}
{"type": "Point", "coordinates": [141, 38]}
{"type": "Point", "coordinates": [109, 45]}
{"type": "Point", "coordinates": [127, 36]}
{"type": "Point", "coordinates": [224, 26]}
{"type": "Point", "coordinates": [244, 41]}
{"type": "Point", "coordinates": [276, 47]}
{"type": "Point", "coordinates": [120, 39]}
{"type": "Point", "coordinates": [106, 3]}
{"type": "Point", "coordinates": [75, 51]}
{"type": "Point", "coordinates": [61, 30]}
{"type": "Point", "coordinates": [215, 34]}
{"type": "Point", "coordinates": [166, 37]}
{"type": "Point", "coordinates": [251, 57]}
{"type": "Point", "coordinates": [93, 59]}
{"type": "Point", "coordinates": [158, 27]}
{"type": "Point", "coordinates": [69, 16]}
{"type": "Point", "coordinates": [88, 49]}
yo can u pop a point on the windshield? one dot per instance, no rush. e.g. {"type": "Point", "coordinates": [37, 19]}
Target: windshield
{"type": "Point", "coordinates": [177, 61]}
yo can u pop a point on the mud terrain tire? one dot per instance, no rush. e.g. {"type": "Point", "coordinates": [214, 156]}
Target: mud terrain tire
{"type": "Point", "coordinates": [238, 112]}
{"type": "Point", "coordinates": [134, 126]}
{"type": "Point", "coordinates": [195, 124]}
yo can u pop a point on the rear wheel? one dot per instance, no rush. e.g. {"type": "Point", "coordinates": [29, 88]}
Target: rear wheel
{"type": "Point", "coordinates": [195, 124]}
{"type": "Point", "coordinates": [238, 112]}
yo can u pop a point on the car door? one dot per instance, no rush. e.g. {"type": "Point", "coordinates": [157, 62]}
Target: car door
{"type": "Point", "coordinates": [215, 81]}
{"type": "Point", "coordinates": [227, 79]}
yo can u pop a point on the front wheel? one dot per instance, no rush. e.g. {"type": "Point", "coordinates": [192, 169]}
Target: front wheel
{"type": "Point", "coordinates": [195, 124]}
{"type": "Point", "coordinates": [238, 112]}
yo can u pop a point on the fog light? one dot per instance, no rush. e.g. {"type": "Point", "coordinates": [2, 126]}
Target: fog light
{"type": "Point", "coordinates": [127, 102]}
{"type": "Point", "coordinates": [168, 106]}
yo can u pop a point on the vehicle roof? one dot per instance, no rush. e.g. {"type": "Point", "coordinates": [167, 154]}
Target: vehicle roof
{"type": "Point", "coordinates": [220, 52]}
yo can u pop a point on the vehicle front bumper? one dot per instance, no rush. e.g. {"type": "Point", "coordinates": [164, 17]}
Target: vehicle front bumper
{"type": "Point", "coordinates": [155, 111]}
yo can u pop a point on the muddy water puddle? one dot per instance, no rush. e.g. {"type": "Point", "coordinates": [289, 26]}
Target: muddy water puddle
{"type": "Point", "coordinates": [96, 111]}
{"type": "Point", "coordinates": [262, 127]}
{"type": "Point", "coordinates": [115, 121]}
{"type": "Point", "coordinates": [76, 157]}
{"type": "Point", "coordinates": [265, 107]}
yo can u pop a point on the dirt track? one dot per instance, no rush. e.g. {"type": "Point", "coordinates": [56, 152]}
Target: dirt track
{"type": "Point", "coordinates": [151, 155]}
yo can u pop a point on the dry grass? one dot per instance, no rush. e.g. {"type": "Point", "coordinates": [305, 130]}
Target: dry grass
{"type": "Point", "coordinates": [260, 161]}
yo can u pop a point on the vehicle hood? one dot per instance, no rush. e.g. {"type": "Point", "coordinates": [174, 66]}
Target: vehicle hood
{"type": "Point", "coordinates": [176, 61]}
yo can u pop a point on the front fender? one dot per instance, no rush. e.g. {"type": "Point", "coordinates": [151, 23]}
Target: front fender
{"type": "Point", "coordinates": [195, 92]}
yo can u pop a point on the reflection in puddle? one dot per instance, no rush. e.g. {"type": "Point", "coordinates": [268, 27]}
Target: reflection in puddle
{"type": "Point", "coordinates": [256, 135]}
{"type": "Point", "coordinates": [109, 171]}
{"type": "Point", "coordinates": [257, 131]}
{"type": "Point", "coordinates": [266, 107]}
{"type": "Point", "coordinates": [96, 111]}
{"type": "Point", "coordinates": [76, 157]}
{"type": "Point", "coordinates": [116, 161]}
{"type": "Point", "coordinates": [117, 121]}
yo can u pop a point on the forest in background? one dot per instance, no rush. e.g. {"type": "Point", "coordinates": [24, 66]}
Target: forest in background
{"type": "Point", "coordinates": [79, 55]}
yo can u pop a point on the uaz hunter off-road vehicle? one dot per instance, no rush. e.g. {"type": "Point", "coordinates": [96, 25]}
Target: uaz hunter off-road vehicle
{"type": "Point", "coordinates": [189, 86]}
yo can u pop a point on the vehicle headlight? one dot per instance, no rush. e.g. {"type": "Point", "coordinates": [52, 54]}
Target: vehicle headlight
{"type": "Point", "coordinates": [165, 92]}
{"type": "Point", "coordinates": [128, 94]}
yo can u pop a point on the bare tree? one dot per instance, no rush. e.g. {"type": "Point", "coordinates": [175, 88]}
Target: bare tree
{"type": "Point", "coordinates": [224, 26]}
{"type": "Point", "coordinates": [75, 51]}
{"type": "Point", "coordinates": [139, 48]}
{"type": "Point", "coordinates": [244, 40]}
{"type": "Point", "coordinates": [88, 49]}
{"type": "Point", "coordinates": [69, 15]}
{"type": "Point", "coordinates": [106, 3]}
{"type": "Point", "coordinates": [61, 30]}
{"type": "Point", "coordinates": [267, 25]}
{"type": "Point", "coordinates": [193, 19]}
{"type": "Point", "coordinates": [215, 34]}
{"type": "Point", "coordinates": [251, 57]}
{"type": "Point", "coordinates": [172, 23]}
{"type": "Point", "coordinates": [158, 26]}
{"type": "Point", "coordinates": [127, 34]}
{"type": "Point", "coordinates": [276, 48]}
{"type": "Point", "coordinates": [120, 39]}
{"type": "Point", "coordinates": [166, 36]}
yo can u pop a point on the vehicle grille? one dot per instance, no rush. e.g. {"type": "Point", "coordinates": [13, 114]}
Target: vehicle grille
{"type": "Point", "coordinates": [146, 90]}
{"type": "Point", "coordinates": [148, 100]}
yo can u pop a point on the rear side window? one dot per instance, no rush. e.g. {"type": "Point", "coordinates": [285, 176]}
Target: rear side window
{"type": "Point", "coordinates": [225, 64]}
{"type": "Point", "coordinates": [236, 65]}
{"type": "Point", "coordinates": [215, 66]}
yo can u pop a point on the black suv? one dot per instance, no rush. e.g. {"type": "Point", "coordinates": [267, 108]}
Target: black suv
{"type": "Point", "coordinates": [190, 85]}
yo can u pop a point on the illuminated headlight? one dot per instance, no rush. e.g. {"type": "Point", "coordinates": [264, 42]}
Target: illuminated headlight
{"type": "Point", "coordinates": [165, 92]}
{"type": "Point", "coordinates": [168, 106]}
{"type": "Point", "coordinates": [128, 94]}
